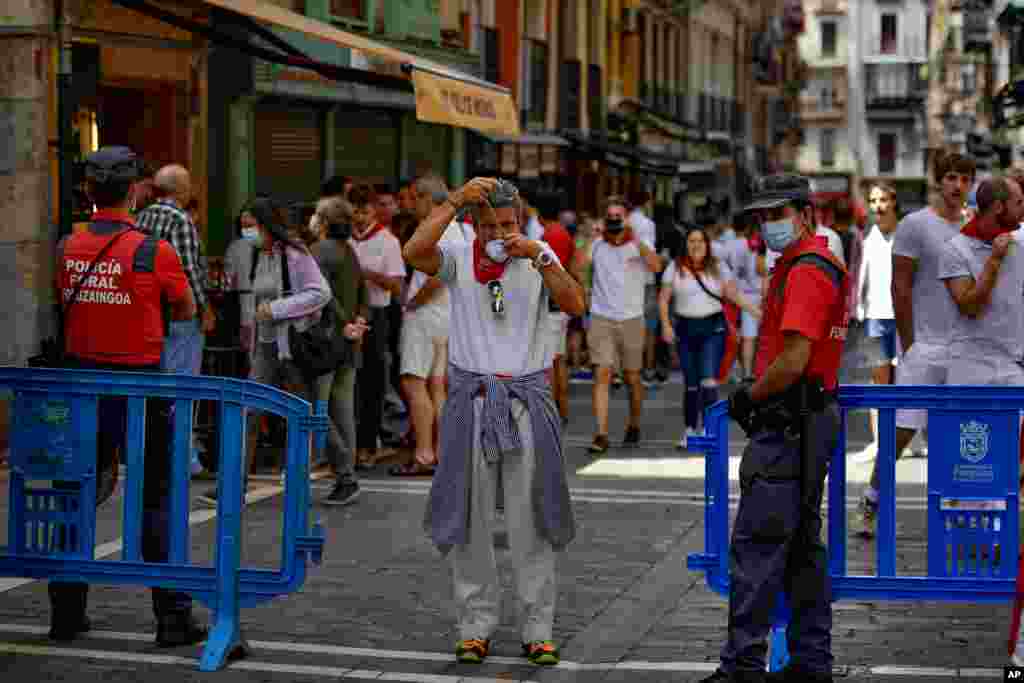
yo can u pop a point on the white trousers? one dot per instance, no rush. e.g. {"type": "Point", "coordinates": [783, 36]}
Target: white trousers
{"type": "Point", "coordinates": [474, 565]}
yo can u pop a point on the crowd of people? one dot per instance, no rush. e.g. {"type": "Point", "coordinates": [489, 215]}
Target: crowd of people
{"type": "Point", "coordinates": [467, 310]}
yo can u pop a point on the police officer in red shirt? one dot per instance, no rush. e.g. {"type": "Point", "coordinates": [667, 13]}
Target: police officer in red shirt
{"type": "Point", "coordinates": [112, 284]}
{"type": "Point", "coordinates": [792, 419]}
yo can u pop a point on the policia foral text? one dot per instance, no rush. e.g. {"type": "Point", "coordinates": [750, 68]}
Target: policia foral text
{"type": "Point", "coordinates": [791, 418]}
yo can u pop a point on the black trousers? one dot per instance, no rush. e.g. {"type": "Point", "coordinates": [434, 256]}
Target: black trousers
{"type": "Point", "coordinates": [774, 551]}
{"type": "Point", "coordinates": [69, 600]}
{"type": "Point", "coordinates": [372, 378]}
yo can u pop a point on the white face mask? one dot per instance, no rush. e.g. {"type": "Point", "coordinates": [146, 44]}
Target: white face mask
{"type": "Point", "coordinates": [251, 233]}
{"type": "Point", "coordinates": [778, 234]}
{"type": "Point", "coordinates": [495, 250]}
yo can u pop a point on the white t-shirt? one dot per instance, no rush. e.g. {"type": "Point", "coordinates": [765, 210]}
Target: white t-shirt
{"type": "Point", "coordinates": [742, 262]}
{"type": "Point", "coordinates": [922, 236]}
{"type": "Point", "coordinates": [998, 329]}
{"type": "Point", "coordinates": [479, 340]}
{"type": "Point", "coordinates": [646, 231]}
{"type": "Point", "coordinates": [876, 276]}
{"type": "Point", "coordinates": [620, 274]}
{"type": "Point", "coordinates": [835, 243]}
{"type": "Point", "coordinates": [689, 299]}
{"type": "Point", "coordinates": [381, 254]}
{"type": "Point", "coordinates": [437, 310]}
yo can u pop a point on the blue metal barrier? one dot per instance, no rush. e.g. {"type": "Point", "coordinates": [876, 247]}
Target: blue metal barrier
{"type": "Point", "coordinates": [973, 485]}
{"type": "Point", "coordinates": [52, 531]}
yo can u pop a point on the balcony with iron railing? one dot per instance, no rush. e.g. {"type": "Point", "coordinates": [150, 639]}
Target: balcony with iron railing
{"type": "Point", "coordinates": [894, 90]}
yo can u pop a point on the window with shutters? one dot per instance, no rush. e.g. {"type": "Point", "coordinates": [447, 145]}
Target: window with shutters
{"type": "Point", "coordinates": [534, 95]}
{"type": "Point", "coordinates": [887, 152]}
{"type": "Point", "coordinates": [571, 84]}
{"type": "Point", "coordinates": [890, 34]}
{"type": "Point", "coordinates": [828, 147]}
{"type": "Point", "coordinates": [490, 55]}
{"type": "Point", "coordinates": [596, 100]}
{"type": "Point", "coordinates": [828, 38]}
{"type": "Point", "coordinates": [350, 12]}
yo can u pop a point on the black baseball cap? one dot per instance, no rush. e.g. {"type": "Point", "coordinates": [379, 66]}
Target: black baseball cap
{"type": "Point", "coordinates": [113, 164]}
{"type": "Point", "coordinates": [778, 190]}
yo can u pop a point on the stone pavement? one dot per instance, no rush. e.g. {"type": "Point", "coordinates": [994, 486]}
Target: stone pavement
{"type": "Point", "coordinates": [629, 610]}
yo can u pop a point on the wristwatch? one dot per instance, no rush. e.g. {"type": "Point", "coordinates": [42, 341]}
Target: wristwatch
{"type": "Point", "coordinates": [543, 260]}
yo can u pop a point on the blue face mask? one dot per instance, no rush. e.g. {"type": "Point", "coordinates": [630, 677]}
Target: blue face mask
{"type": "Point", "coordinates": [778, 234]}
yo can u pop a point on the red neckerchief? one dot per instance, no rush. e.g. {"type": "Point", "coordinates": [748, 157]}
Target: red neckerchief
{"type": "Point", "coordinates": [985, 233]}
{"type": "Point", "coordinates": [113, 216]}
{"type": "Point", "coordinates": [368, 234]}
{"type": "Point", "coordinates": [484, 268]}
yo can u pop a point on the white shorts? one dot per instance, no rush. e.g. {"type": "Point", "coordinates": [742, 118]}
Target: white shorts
{"type": "Point", "coordinates": [984, 369]}
{"type": "Point", "coordinates": [922, 364]}
{"type": "Point", "coordinates": [424, 347]}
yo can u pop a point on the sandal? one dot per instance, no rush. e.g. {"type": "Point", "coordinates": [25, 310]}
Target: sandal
{"type": "Point", "coordinates": [414, 470]}
{"type": "Point", "coordinates": [472, 651]}
{"type": "Point", "coordinates": [541, 652]}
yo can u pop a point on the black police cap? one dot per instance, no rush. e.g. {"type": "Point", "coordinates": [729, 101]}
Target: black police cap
{"type": "Point", "coordinates": [113, 164]}
{"type": "Point", "coordinates": [780, 189]}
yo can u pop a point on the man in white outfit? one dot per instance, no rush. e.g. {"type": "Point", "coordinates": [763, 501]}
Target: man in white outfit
{"type": "Point", "coordinates": [983, 270]}
{"type": "Point", "coordinates": [925, 313]}
{"type": "Point", "coordinates": [500, 423]}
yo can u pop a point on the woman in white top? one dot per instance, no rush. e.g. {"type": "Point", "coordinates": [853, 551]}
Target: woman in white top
{"type": "Point", "coordinates": [697, 281]}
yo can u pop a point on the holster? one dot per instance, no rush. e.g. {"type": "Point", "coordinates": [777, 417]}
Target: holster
{"type": "Point", "coordinates": [783, 412]}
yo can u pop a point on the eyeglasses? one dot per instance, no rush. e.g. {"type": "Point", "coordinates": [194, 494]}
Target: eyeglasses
{"type": "Point", "coordinates": [497, 297]}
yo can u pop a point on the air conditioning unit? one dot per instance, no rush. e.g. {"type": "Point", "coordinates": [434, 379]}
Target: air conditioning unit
{"type": "Point", "coordinates": [630, 19]}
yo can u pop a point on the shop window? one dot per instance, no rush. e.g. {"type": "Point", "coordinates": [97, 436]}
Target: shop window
{"type": "Point", "coordinates": [887, 152]}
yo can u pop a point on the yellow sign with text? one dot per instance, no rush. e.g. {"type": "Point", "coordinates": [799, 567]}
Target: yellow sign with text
{"type": "Point", "coordinates": [458, 103]}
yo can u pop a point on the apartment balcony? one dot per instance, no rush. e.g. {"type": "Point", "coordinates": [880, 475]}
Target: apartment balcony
{"type": "Point", "coordinates": [894, 92]}
{"type": "Point", "coordinates": [977, 28]}
{"type": "Point", "coordinates": [823, 107]}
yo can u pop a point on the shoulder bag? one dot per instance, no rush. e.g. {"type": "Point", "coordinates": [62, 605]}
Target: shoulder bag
{"type": "Point", "coordinates": [321, 348]}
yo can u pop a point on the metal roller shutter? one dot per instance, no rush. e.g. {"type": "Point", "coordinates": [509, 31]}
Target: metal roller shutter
{"type": "Point", "coordinates": [288, 152]}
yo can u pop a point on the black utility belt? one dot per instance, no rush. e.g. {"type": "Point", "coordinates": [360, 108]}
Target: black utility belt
{"type": "Point", "coordinates": [783, 412]}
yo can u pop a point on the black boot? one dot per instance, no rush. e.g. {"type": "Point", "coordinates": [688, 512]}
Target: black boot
{"type": "Point", "coordinates": [68, 602]}
{"type": "Point", "coordinates": [176, 630]}
{"type": "Point", "coordinates": [735, 677]}
{"type": "Point", "coordinates": [794, 673]}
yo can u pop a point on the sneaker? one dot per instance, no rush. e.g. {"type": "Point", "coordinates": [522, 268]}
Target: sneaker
{"type": "Point", "coordinates": [472, 651]}
{"type": "Point", "coordinates": [64, 629]}
{"type": "Point", "coordinates": [600, 444]}
{"type": "Point", "coordinates": [866, 513]}
{"type": "Point", "coordinates": [179, 630]}
{"type": "Point", "coordinates": [345, 492]}
{"type": "Point", "coordinates": [632, 437]}
{"type": "Point", "coordinates": [209, 499]}
{"type": "Point", "coordinates": [542, 652]}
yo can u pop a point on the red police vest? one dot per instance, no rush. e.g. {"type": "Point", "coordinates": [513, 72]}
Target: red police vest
{"type": "Point", "coordinates": [117, 317]}
{"type": "Point", "coordinates": [807, 294]}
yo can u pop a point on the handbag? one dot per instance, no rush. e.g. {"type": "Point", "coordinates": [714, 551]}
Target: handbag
{"type": "Point", "coordinates": [716, 323]}
{"type": "Point", "coordinates": [321, 348]}
{"type": "Point", "coordinates": [52, 353]}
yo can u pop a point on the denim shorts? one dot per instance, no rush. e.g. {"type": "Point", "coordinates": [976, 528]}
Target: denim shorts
{"type": "Point", "coordinates": [885, 331]}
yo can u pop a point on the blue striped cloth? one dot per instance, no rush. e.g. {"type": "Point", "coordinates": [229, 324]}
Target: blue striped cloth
{"type": "Point", "coordinates": [448, 510]}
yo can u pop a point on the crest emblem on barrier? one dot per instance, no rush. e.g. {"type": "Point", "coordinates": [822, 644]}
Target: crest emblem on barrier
{"type": "Point", "coordinates": [974, 440]}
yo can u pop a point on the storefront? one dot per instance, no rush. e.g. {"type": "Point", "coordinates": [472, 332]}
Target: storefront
{"type": "Point", "coordinates": [133, 84]}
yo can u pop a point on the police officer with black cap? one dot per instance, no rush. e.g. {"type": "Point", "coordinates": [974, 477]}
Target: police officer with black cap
{"type": "Point", "coordinates": [112, 283]}
{"type": "Point", "coordinates": [791, 417]}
